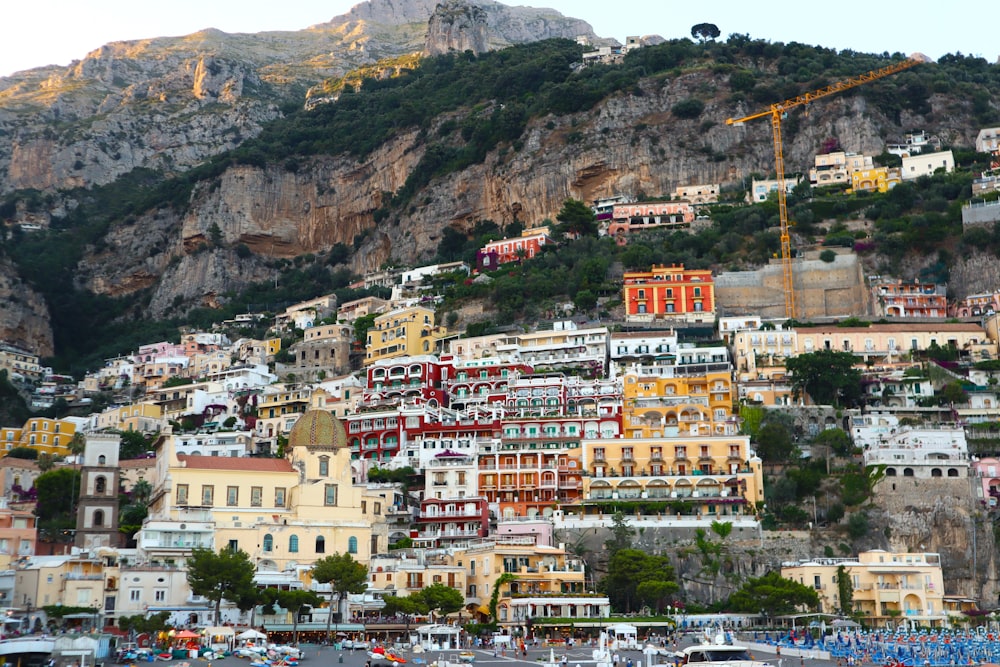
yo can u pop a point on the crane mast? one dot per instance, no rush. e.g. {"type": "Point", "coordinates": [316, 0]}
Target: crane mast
{"type": "Point", "coordinates": [777, 112]}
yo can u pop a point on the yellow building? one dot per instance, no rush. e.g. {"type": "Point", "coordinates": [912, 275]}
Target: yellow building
{"type": "Point", "coordinates": [285, 513]}
{"type": "Point", "coordinates": [668, 401]}
{"type": "Point", "coordinates": [404, 332]}
{"type": "Point", "coordinates": [50, 436]}
{"type": "Point", "coordinates": [878, 178]}
{"type": "Point", "coordinates": [885, 586]}
{"type": "Point", "coordinates": [712, 475]}
{"type": "Point", "coordinates": [548, 583]}
{"type": "Point", "coordinates": [142, 417]}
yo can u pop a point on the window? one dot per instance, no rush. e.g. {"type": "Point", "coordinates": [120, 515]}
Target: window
{"type": "Point", "coordinates": [268, 543]}
{"type": "Point", "coordinates": [378, 509]}
{"type": "Point", "coordinates": [324, 466]}
{"type": "Point", "coordinates": [352, 545]}
{"type": "Point", "coordinates": [293, 544]}
{"type": "Point", "coordinates": [234, 545]}
{"type": "Point", "coordinates": [320, 545]}
{"type": "Point", "coordinates": [279, 497]}
{"type": "Point", "coordinates": [330, 495]}
{"type": "Point", "coordinates": [160, 595]}
{"type": "Point", "coordinates": [232, 496]}
{"type": "Point", "coordinates": [101, 460]}
{"type": "Point", "coordinates": [207, 495]}
{"type": "Point", "coordinates": [98, 518]}
{"type": "Point", "coordinates": [134, 595]}
{"type": "Point", "coordinates": [182, 494]}
{"type": "Point", "coordinates": [256, 496]}
{"type": "Point", "coordinates": [100, 486]}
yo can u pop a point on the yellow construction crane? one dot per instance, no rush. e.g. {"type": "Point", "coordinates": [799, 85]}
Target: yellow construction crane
{"type": "Point", "coordinates": [777, 112]}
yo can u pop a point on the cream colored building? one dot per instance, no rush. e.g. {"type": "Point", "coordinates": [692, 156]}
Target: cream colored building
{"type": "Point", "coordinates": [715, 475]}
{"type": "Point", "coordinates": [761, 353]}
{"type": "Point", "coordinates": [549, 583]}
{"type": "Point", "coordinates": [146, 417]}
{"type": "Point", "coordinates": [284, 512]}
{"type": "Point", "coordinates": [925, 164]}
{"type": "Point", "coordinates": [885, 586]}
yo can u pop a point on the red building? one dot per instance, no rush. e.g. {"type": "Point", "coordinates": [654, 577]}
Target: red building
{"type": "Point", "coordinates": [505, 251]}
{"type": "Point", "coordinates": [669, 292]}
{"type": "Point", "coordinates": [480, 381]}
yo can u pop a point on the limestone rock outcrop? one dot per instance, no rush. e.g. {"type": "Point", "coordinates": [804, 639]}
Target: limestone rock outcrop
{"type": "Point", "coordinates": [456, 25]}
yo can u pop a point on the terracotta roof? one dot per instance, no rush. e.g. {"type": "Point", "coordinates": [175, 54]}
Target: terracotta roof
{"type": "Point", "coordinates": [137, 463]}
{"type": "Point", "coordinates": [235, 463]}
{"type": "Point", "coordinates": [14, 462]}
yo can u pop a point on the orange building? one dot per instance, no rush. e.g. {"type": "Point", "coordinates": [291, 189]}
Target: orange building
{"type": "Point", "coordinates": [669, 293]}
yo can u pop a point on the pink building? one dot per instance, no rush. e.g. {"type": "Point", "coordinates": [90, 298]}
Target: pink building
{"type": "Point", "coordinates": [629, 218]}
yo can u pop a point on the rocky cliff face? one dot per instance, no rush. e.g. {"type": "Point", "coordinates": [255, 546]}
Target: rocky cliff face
{"type": "Point", "coordinates": [456, 25]}
{"type": "Point", "coordinates": [24, 316]}
{"type": "Point", "coordinates": [169, 103]}
{"type": "Point", "coordinates": [629, 144]}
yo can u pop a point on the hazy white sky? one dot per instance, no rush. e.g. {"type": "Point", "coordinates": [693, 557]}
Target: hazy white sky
{"type": "Point", "coordinates": [54, 32]}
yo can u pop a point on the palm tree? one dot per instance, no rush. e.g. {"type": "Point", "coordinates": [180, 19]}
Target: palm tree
{"type": "Point", "coordinates": [77, 443]}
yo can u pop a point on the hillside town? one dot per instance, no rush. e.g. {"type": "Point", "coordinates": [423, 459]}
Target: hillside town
{"type": "Point", "coordinates": [522, 441]}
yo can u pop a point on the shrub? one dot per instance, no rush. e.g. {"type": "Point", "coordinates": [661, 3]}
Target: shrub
{"type": "Point", "coordinates": [689, 108]}
{"type": "Point", "coordinates": [828, 256]}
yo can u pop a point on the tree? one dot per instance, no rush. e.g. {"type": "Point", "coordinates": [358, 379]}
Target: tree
{"type": "Point", "coordinates": [705, 31]}
{"type": "Point", "coordinates": [23, 453]}
{"type": "Point", "coordinates": [58, 494]}
{"type": "Point", "coordinates": [133, 444]}
{"type": "Point", "coordinates": [621, 534]}
{"type": "Point", "coordinates": [827, 376]}
{"type": "Point", "coordinates": [628, 569]}
{"type": "Point", "coordinates": [504, 578]}
{"type": "Point", "coordinates": [344, 574]}
{"type": "Point", "coordinates": [837, 439]}
{"type": "Point", "coordinates": [363, 324]}
{"type": "Point", "coordinates": [407, 605]}
{"type": "Point", "coordinates": [134, 508]}
{"type": "Point", "coordinates": [294, 601]}
{"type": "Point", "coordinates": [845, 589]}
{"type": "Point", "coordinates": [585, 300]}
{"type": "Point", "coordinates": [577, 219]}
{"type": "Point", "coordinates": [227, 574]}
{"type": "Point", "coordinates": [442, 599]}
{"type": "Point", "coordinates": [953, 393]}
{"type": "Point", "coordinates": [77, 443]}
{"type": "Point", "coordinates": [774, 443]}
{"type": "Point", "coordinates": [773, 593]}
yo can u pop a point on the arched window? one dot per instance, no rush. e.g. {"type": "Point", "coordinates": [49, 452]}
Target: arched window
{"type": "Point", "coordinates": [102, 459]}
{"type": "Point", "coordinates": [352, 545]}
{"type": "Point", "coordinates": [324, 466]}
{"type": "Point", "coordinates": [321, 545]}
{"type": "Point", "coordinates": [293, 544]}
{"type": "Point", "coordinates": [268, 543]}
{"type": "Point", "coordinates": [100, 486]}
{"type": "Point", "coordinates": [98, 518]}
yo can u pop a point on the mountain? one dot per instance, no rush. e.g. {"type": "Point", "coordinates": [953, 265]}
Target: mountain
{"type": "Point", "coordinates": [265, 192]}
{"type": "Point", "coordinates": [167, 104]}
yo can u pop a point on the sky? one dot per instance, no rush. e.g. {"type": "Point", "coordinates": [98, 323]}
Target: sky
{"type": "Point", "coordinates": [34, 33]}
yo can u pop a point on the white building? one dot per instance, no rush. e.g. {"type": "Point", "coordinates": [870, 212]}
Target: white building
{"type": "Point", "coordinates": [925, 164]}
{"type": "Point", "coordinates": [988, 140]}
{"type": "Point", "coordinates": [911, 451]}
{"type": "Point", "coordinates": [759, 190]}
